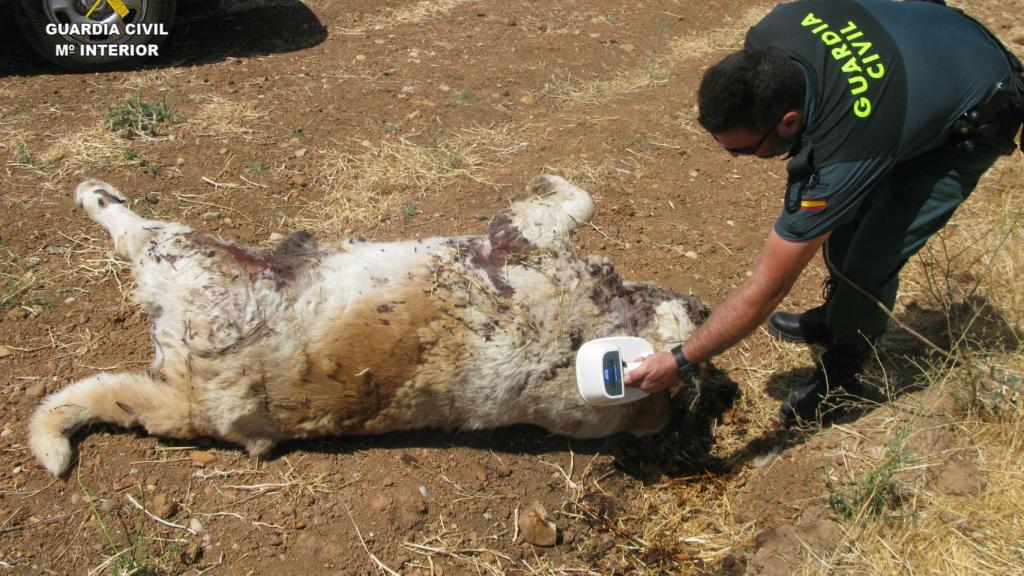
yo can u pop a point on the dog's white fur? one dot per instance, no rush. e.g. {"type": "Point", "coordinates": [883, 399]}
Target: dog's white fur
{"type": "Point", "coordinates": [256, 346]}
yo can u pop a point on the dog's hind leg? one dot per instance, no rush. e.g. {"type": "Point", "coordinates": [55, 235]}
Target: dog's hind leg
{"type": "Point", "coordinates": [554, 210]}
{"type": "Point", "coordinates": [122, 398]}
{"type": "Point", "coordinates": [110, 209]}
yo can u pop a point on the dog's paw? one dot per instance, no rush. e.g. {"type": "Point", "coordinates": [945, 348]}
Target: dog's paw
{"type": "Point", "coordinates": [96, 194]}
{"type": "Point", "coordinates": [546, 185]}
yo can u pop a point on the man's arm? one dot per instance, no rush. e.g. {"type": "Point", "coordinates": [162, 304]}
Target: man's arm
{"type": "Point", "coordinates": [778, 267]}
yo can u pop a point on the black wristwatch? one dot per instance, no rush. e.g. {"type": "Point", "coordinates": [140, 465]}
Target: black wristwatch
{"type": "Point", "coordinates": [684, 369]}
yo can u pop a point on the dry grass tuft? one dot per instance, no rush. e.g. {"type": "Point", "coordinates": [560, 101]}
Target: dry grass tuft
{"type": "Point", "coordinates": [372, 185]}
{"type": "Point", "coordinates": [222, 118]}
{"type": "Point", "coordinates": [419, 12]}
{"type": "Point", "coordinates": [86, 150]}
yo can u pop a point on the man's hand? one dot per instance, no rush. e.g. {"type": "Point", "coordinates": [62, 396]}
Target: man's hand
{"type": "Point", "coordinates": [657, 373]}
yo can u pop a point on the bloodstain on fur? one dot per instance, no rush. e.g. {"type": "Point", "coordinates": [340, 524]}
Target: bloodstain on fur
{"type": "Point", "coordinates": [506, 244]}
{"type": "Point", "coordinates": [284, 262]}
{"type": "Point", "coordinates": [633, 305]}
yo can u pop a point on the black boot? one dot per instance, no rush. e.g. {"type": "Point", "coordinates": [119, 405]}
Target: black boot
{"type": "Point", "coordinates": [831, 392]}
{"type": "Point", "coordinates": [808, 327]}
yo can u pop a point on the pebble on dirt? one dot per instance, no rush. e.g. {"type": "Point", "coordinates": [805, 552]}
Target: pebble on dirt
{"type": "Point", "coordinates": [537, 526]}
{"type": "Point", "coordinates": [36, 390]}
{"type": "Point", "coordinates": [163, 506]}
{"type": "Point", "coordinates": [201, 459]}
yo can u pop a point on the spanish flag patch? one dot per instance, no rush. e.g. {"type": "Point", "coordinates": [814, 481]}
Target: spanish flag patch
{"type": "Point", "coordinates": [812, 204]}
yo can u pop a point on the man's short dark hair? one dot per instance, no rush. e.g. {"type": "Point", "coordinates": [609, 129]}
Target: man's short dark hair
{"type": "Point", "coordinates": [750, 89]}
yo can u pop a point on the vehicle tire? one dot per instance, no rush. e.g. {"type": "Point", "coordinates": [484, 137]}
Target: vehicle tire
{"type": "Point", "coordinates": [36, 14]}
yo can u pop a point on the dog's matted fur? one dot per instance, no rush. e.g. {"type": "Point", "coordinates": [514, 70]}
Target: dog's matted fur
{"type": "Point", "coordinates": [256, 346]}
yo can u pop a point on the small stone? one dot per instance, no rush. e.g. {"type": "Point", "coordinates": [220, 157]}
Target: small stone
{"type": "Point", "coordinates": [5, 352]}
{"type": "Point", "coordinates": [537, 526]}
{"type": "Point", "coordinates": [153, 197]}
{"type": "Point", "coordinates": [694, 173]}
{"type": "Point", "coordinates": [444, 88]}
{"type": "Point", "coordinates": [223, 150]}
{"type": "Point", "coordinates": [108, 506]}
{"type": "Point", "coordinates": [360, 57]}
{"type": "Point", "coordinates": [192, 554]}
{"type": "Point", "coordinates": [70, 300]}
{"type": "Point", "coordinates": [195, 525]}
{"type": "Point", "coordinates": [202, 459]}
{"type": "Point", "coordinates": [180, 161]}
{"type": "Point", "coordinates": [276, 237]}
{"type": "Point", "coordinates": [211, 216]}
{"type": "Point", "coordinates": [606, 543]}
{"type": "Point", "coordinates": [528, 100]}
{"type": "Point", "coordinates": [163, 506]}
{"type": "Point", "coordinates": [595, 34]}
{"type": "Point", "coordinates": [907, 301]}
{"type": "Point", "coordinates": [274, 539]}
{"type": "Point", "coordinates": [478, 471]}
{"type": "Point", "coordinates": [379, 41]}
{"type": "Point", "coordinates": [691, 255]}
{"type": "Point", "coordinates": [300, 152]}
{"type": "Point", "coordinates": [36, 390]}
{"type": "Point", "coordinates": [408, 89]}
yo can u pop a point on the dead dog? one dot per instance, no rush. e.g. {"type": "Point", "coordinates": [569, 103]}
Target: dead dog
{"type": "Point", "coordinates": [257, 346]}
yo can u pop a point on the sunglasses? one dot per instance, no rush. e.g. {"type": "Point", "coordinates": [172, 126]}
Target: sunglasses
{"type": "Point", "coordinates": [753, 148]}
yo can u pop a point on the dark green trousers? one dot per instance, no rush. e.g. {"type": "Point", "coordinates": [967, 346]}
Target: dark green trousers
{"type": "Point", "coordinates": [906, 208]}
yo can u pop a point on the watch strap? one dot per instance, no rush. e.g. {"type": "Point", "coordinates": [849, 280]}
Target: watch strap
{"type": "Point", "coordinates": [684, 369]}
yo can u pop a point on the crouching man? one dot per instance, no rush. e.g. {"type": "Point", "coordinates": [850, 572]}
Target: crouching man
{"type": "Point", "coordinates": [888, 113]}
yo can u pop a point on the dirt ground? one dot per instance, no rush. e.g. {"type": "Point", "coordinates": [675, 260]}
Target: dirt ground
{"type": "Point", "coordinates": [277, 106]}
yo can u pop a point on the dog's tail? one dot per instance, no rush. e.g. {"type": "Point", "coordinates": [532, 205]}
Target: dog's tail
{"type": "Point", "coordinates": [119, 398]}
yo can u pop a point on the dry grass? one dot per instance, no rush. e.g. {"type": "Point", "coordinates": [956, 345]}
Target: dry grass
{"type": "Point", "coordinates": [90, 149]}
{"type": "Point", "coordinates": [982, 254]}
{"type": "Point", "coordinates": [419, 12]}
{"type": "Point", "coordinates": [371, 185]}
{"type": "Point", "coordinates": [222, 118]}
{"type": "Point", "coordinates": [664, 55]}
{"type": "Point", "coordinates": [971, 276]}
